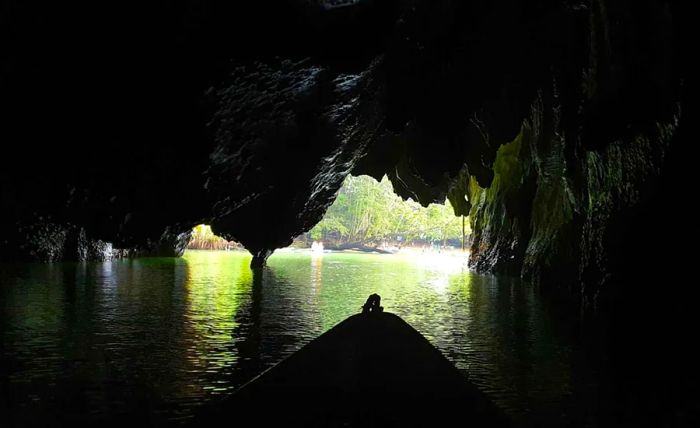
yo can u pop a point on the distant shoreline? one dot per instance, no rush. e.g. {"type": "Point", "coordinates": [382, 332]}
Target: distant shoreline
{"type": "Point", "coordinates": [416, 251]}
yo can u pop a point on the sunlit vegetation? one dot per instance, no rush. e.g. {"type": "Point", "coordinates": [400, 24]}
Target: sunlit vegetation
{"type": "Point", "coordinates": [203, 238]}
{"type": "Point", "coordinates": [370, 213]}
{"type": "Point", "coordinates": [367, 213]}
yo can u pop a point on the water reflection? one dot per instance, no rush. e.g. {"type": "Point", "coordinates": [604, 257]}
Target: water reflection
{"type": "Point", "coordinates": [316, 269]}
{"type": "Point", "coordinates": [159, 337]}
{"type": "Point", "coordinates": [214, 292]}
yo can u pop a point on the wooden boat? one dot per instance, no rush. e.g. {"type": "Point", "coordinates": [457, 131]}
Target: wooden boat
{"type": "Point", "coordinates": [370, 370]}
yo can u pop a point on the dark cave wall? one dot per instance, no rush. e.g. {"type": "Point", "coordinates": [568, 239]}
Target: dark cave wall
{"type": "Point", "coordinates": [540, 118]}
{"type": "Point", "coordinates": [106, 115]}
{"type": "Point", "coordinates": [114, 117]}
{"type": "Point", "coordinates": [284, 149]}
{"type": "Point", "coordinates": [561, 217]}
{"type": "Point", "coordinates": [588, 159]}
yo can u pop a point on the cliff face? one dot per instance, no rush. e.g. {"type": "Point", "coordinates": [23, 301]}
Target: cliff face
{"type": "Point", "coordinates": [560, 215]}
{"type": "Point", "coordinates": [568, 191]}
{"type": "Point", "coordinates": [548, 122]}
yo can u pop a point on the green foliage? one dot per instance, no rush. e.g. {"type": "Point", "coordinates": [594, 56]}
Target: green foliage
{"type": "Point", "coordinates": [369, 211]}
{"type": "Point", "coordinates": [203, 238]}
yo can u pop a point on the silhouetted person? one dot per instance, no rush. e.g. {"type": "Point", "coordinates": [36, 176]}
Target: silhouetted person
{"type": "Point", "coordinates": [372, 304]}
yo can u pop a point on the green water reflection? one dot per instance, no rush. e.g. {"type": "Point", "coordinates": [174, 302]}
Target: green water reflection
{"type": "Point", "coordinates": [162, 336]}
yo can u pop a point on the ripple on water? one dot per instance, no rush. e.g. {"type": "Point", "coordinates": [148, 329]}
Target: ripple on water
{"type": "Point", "coordinates": [179, 332]}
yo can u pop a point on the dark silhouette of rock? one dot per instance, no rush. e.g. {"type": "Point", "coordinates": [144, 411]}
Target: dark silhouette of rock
{"type": "Point", "coordinates": [198, 121]}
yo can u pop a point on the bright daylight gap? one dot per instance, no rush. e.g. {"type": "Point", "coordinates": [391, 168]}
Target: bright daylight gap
{"type": "Point", "coordinates": [367, 216]}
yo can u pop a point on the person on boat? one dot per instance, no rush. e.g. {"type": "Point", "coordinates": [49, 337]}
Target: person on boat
{"type": "Point", "coordinates": [372, 304]}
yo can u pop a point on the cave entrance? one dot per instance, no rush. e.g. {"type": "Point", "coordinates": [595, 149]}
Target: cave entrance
{"type": "Point", "coordinates": [203, 238]}
{"type": "Point", "coordinates": [368, 216]}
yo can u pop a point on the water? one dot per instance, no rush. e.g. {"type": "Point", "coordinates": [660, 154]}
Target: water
{"type": "Point", "coordinates": [158, 337]}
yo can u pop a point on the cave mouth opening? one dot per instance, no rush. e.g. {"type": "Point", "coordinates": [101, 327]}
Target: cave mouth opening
{"type": "Point", "coordinates": [204, 238]}
{"type": "Point", "coordinates": [367, 215]}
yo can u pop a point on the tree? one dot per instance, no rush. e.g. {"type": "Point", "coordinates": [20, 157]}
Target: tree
{"type": "Point", "coordinates": [369, 212]}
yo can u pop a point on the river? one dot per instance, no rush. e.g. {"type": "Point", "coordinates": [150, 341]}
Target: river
{"type": "Point", "coordinates": [159, 337]}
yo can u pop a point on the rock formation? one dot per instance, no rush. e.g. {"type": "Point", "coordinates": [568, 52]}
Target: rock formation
{"type": "Point", "coordinates": [550, 123]}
